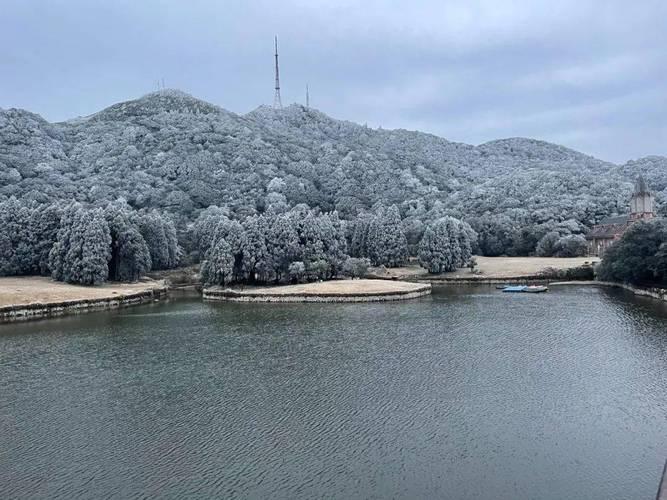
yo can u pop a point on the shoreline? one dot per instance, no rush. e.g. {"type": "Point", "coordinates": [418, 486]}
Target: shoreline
{"type": "Point", "coordinates": [48, 299]}
{"type": "Point", "coordinates": [652, 292]}
{"type": "Point", "coordinates": [385, 293]}
{"type": "Point", "coordinates": [481, 281]}
{"type": "Point", "coordinates": [367, 290]}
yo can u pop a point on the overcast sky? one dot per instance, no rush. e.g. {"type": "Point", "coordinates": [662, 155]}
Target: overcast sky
{"type": "Point", "coordinates": [591, 75]}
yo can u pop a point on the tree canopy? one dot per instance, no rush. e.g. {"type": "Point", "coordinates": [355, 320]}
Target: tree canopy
{"type": "Point", "coordinates": [639, 257]}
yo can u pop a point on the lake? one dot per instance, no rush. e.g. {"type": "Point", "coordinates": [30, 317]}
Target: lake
{"type": "Point", "coordinates": [467, 394]}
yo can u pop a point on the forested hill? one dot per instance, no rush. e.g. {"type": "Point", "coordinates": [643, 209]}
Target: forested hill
{"type": "Point", "coordinates": [170, 151]}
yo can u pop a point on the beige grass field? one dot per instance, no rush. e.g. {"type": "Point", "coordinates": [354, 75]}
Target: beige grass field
{"type": "Point", "coordinates": [35, 289]}
{"type": "Point", "coordinates": [339, 287]}
{"type": "Point", "coordinates": [496, 267]}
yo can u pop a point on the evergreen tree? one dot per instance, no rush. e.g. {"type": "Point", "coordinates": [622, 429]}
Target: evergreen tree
{"type": "Point", "coordinates": [282, 244]}
{"type": "Point", "coordinates": [256, 265]}
{"type": "Point", "coordinates": [160, 236]}
{"type": "Point", "coordinates": [16, 239]}
{"type": "Point", "coordinates": [130, 255]}
{"type": "Point", "coordinates": [354, 267]}
{"type": "Point", "coordinates": [82, 250]}
{"type": "Point", "coordinates": [46, 223]}
{"type": "Point", "coordinates": [297, 272]}
{"type": "Point", "coordinates": [435, 252]}
{"type": "Point", "coordinates": [547, 245]}
{"type": "Point", "coordinates": [386, 243]}
{"type": "Point", "coordinates": [445, 246]}
{"type": "Point", "coordinates": [638, 257]}
{"type": "Point", "coordinates": [572, 245]}
{"type": "Point", "coordinates": [659, 264]}
{"type": "Point", "coordinates": [334, 242]}
{"type": "Point", "coordinates": [90, 252]}
{"type": "Point", "coordinates": [218, 268]}
{"type": "Point", "coordinates": [495, 234]}
{"type": "Point", "coordinates": [135, 258]}
{"type": "Point", "coordinates": [58, 254]}
{"type": "Point", "coordinates": [358, 247]}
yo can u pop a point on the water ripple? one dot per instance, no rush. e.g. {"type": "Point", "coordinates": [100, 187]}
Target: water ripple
{"type": "Point", "coordinates": [562, 395]}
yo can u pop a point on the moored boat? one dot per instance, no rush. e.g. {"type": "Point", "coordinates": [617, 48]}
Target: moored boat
{"type": "Point", "coordinates": [525, 289]}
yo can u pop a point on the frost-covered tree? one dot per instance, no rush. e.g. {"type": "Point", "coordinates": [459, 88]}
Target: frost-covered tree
{"type": "Point", "coordinates": [495, 234]}
{"type": "Point", "coordinates": [47, 239]}
{"type": "Point", "coordinates": [46, 222]}
{"type": "Point", "coordinates": [218, 268]}
{"type": "Point", "coordinates": [186, 159]}
{"type": "Point", "coordinates": [264, 248]}
{"type": "Point", "coordinates": [203, 230]}
{"type": "Point", "coordinates": [82, 250]}
{"type": "Point", "coordinates": [358, 247]}
{"type": "Point", "coordinates": [385, 242]}
{"type": "Point", "coordinates": [58, 263]}
{"type": "Point", "coordinates": [160, 236]}
{"type": "Point", "coordinates": [546, 247]}
{"type": "Point", "coordinates": [282, 244]}
{"type": "Point", "coordinates": [256, 259]}
{"type": "Point", "coordinates": [354, 267]}
{"type": "Point", "coordinates": [130, 255]}
{"type": "Point", "coordinates": [572, 245]}
{"type": "Point", "coordinates": [16, 239]}
{"type": "Point", "coordinates": [135, 258]}
{"type": "Point", "coordinates": [297, 272]}
{"type": "Point", "coordinates": [445, 246]}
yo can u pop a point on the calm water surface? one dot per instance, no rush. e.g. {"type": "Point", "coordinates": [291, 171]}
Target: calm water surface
{"type": "Point", "coordinates": [467, 394]}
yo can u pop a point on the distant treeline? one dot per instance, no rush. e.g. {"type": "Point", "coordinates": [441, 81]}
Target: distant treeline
{"type": "Point", "coordinates": [84, 245]}
{"type": "Point", "coordinates": [89, 245]}
{"type": "Point", "coordinates": [305, 245]}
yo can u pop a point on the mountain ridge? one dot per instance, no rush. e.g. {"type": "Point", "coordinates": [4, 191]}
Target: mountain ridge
{"type": "Point", "coordinates": [171, 96]}
{"type": "Point", "coordinates": [172, 151]}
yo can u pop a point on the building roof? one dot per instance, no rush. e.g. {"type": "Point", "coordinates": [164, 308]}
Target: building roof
{"type": "Point", "coordinates": [606, 232]}
{"type": "Point", "coordinates": [609, 227]}
{"type": "Point", "coordinates": [619, 219]}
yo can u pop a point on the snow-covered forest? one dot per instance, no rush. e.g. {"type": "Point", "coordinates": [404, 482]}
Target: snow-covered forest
{"type": "Point", "coordinates": [367, 193]}
{"type": "Point", "coordinates": [84, 245]}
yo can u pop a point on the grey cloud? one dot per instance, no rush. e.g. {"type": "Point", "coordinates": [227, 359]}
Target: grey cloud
{"type": "Point", "coordinates": [586, 74]}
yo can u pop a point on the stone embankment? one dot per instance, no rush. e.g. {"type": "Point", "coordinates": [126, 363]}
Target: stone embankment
{"type": "Point", "coordinates": [498, 270]}
{"type": "Point", "coordinates": [653, 292]}
{"type": "Point", "coordinates": [34, 297]}
{"type": "Point", "coordinates": [328, 291]}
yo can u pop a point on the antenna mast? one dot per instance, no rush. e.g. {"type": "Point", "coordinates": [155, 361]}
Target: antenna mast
{"type": "Point", "coordinates": [307, 97]}
{"type": "Point", "coordinates": [277, 103]}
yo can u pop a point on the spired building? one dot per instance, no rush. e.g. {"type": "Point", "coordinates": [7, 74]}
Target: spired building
{"type": "Point", "coordinates": [612, 228]}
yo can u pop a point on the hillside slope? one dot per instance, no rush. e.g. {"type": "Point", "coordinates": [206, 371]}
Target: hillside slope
{"type": "Point", "coordinates": [174, 152]}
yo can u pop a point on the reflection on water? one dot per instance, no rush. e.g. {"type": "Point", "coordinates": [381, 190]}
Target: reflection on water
{"type": "Point", "coordinates": [470, 393]}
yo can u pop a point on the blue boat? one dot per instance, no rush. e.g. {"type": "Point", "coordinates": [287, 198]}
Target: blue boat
{"type": "Point", "coordinates": [525, 289]}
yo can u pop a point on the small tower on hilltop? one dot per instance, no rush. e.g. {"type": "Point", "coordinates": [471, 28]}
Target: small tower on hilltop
{"type": "Point", "coordinates": [277, 102]}
{"type": "Point", "coordinates": [642, 204]}
{"type": "Point", "coordinates": [307, 97]}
